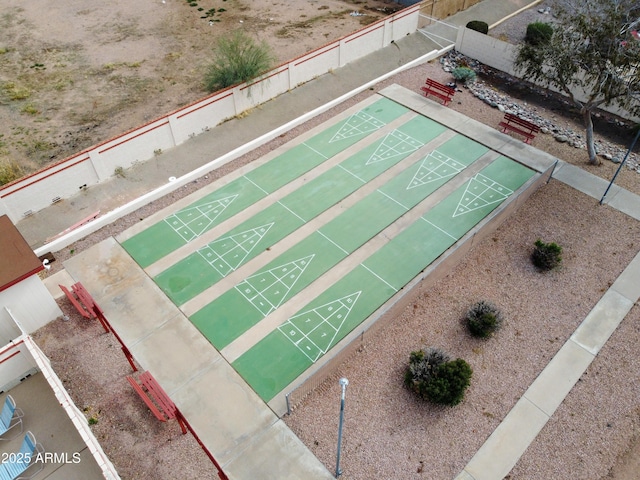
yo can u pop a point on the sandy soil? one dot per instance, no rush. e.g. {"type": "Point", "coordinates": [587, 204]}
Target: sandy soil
{"type": "Point", "coordinates": [388, 433]}
{"type": "Point", "coordinates": [87, 71]}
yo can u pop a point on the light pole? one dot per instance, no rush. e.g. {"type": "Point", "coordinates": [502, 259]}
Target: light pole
{"type": "Point", "coordinates": [343, 383]}
{"type": "Point", "coordinates": [633, 144]}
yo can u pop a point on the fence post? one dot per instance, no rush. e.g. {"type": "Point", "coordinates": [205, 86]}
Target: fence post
{"type": "Point", "coordinates": [343, 383]}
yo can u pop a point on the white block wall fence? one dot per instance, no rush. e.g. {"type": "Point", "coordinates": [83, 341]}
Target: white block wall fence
{"type": "Point", "coordinates": [66, 178]}
{"type": "Point", "coordinates": [501, 55]}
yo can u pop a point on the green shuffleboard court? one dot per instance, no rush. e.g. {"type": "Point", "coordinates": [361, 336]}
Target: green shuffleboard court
{"type": "Point", "coordinates": [213, 262]}
{"type": "Point", "coordinates": [176, 230]}
{"type": "Point", "coordinates": [238, 309]}
{"type": "Point", "coordinates": [282, 355]}
{"type": "Point", "coordinates": [431, 186]}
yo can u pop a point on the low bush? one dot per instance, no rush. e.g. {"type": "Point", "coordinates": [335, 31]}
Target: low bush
{"type": "Point", "coordinates": [478, 26]}
{"type": "Point", "coordinates": [449, 383]}
{"type": "Point", "coordinates": [463, 74]}
{"type": "Point", "coordinates": [238, 58]}
{"type": "Point", "coordinates": [546, 256]}
{"type": "Point", "coordinates": [483, 319]}
{"type": "Point", "coordinates": [9, 172]}
{"type": "Point", "coordinates": [422, 365]}
{"type": "Point", "coordinates": [538, 33]}
{"type": "Point", "coordinates": [433, 377]}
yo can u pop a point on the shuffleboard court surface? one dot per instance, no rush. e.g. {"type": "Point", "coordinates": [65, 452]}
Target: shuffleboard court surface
{"type": "Point", "coordinates": [228, 316]}
{"type": "Point", "coordinates": [208, 265]}
{"type": "Point", "coordinates": [182, 227]}
{"type": "Point", "coordinates": [286, 352]}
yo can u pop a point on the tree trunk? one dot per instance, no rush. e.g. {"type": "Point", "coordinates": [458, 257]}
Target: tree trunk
{"type": "Point", "coordinates": [591, 149]}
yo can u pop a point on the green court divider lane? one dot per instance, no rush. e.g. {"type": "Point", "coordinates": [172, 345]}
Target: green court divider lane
{"type": "Point", "coordinates": [238, 309]}
{"type": "Point", "coordinates": [231, 314]}
{"type": "Point", "coordinates": [453, 217]}
{"type": "Point", "coordinates": [286, 352]}
{"type": "Point", "coordinates": [162, 238]}
{"type": "Point", "coordinates": [275, 361]}
{"type": "Point", "coordinates": [210, 264]}
{"type": "Point", "coordinates": [202, 269]}
{"type": "Point", "coordinates": [356, 127]}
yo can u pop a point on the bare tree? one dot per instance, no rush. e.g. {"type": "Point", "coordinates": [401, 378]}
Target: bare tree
{"type": "Point", "coordinates": [592, 57]}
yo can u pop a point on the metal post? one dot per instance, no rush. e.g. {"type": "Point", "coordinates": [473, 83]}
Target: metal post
{"type": "Point", "coordinates": [633, 144]}
{"type": "Point", "coordinates": [343, 383]}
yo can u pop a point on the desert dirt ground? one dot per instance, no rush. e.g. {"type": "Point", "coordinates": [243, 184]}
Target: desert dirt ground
{"type": "Point", "coordinates": [92, 367]}
{"type": "Point", "coordinates": [86, 71]}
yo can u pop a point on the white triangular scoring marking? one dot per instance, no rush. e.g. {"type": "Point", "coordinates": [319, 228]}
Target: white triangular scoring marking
{"type": "Point", "coordinates": [434, 167]}
{"type": "Point", "coordinates": [267, 290]}
{"type": "Point", "coordinates": [395, 143]}
{"type": "Point", "coordinates": [192, 222]}
{"type": "Point", "coordinates": [480, 192]}
{"type": "Point", "coordinates": [314, 331]}
{"type": "Point", "coordinates": [228, 253]}
{"type": "Point", "coordinates": [357, 124]}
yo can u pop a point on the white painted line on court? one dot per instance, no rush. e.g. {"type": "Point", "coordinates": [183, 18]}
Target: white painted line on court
{"type": "Point", "coordinates": [291, 211]}
{"type": "Point", "coordinates": [436, 226]}
{"type": "Point", "coordinates": [393, 199]}
{"type": "Point", "coordinates": [316, 151]}
{"type": "Point", "coordinates": [379, 277]}
{"type": "Point", "coordinates": [352, 174]}
{"type": "Point", "coordinates": [338, 246]}
{"type": "Point", "coordinates": [254, 183]}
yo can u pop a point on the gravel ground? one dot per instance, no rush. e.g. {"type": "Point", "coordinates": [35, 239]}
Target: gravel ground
{"type": "Point", "coordinates": [388, 432]}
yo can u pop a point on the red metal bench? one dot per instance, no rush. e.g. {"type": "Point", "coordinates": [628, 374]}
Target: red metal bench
{"type": "Point", "coordinates": [156, 399]}
{"type": "Point", "coordinates": [88, 308]}
{"type": "Point", "coordinates": [439, 90]}
{"type": "Point", "coordinates": [516, 124]}
{"type": "Point", "coordinates": [84, 303]}
{"type": "Point", "coordinates": [164, 409]}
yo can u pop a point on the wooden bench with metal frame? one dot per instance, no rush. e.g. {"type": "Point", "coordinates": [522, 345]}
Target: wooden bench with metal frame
{"type": "Point", "coordinates": [88, 308]}
{"type": "Point", "coordinates": [437, 89]}
{"type": "Point", "coordinates": [156, 399]}
{"type": "Point", "coordinates": [518, 125]}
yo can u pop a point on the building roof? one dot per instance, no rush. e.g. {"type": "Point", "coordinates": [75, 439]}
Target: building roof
{"type": "Point", "coordinates": [17, 260]}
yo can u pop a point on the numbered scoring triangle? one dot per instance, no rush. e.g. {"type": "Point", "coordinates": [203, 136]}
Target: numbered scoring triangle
{"type": "Point", "coordinates": [314, 331]}
{"type": "Point", "coordinates": [192, 222]}
{"type": "Point", "coordinates": [394, 144]}
{"type": "Point", "coordinates": [480, 192]}
{"type": "Point", "coordinates": [269, 289]}
{"type": "Point", "coordinates": [434, 167]}
{"type": "Point", "coordinates": [228, 253]}
{"type": "Point", "coordinates": [357, 124]}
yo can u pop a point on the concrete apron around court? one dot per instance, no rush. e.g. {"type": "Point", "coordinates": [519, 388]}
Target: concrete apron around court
{"type": "Point", "coordinates": [242, 432]}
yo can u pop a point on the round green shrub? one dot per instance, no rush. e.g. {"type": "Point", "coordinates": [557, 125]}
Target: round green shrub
{"type": "Point", "coordinates": [483, 319]}
{"type": "Point", "coordinates": [538, 33]}
{"type": "Point", "coordinates": [546, 256]}
{"type": "Point", "coordinates": [422, 365]}
{"type": "Point", "coordinates": [478, 26]}
{"type": "Point", "coordinates": [449, 383]}
{"type": "Point", "coordinates": [433, 377]}
{"type": "Point", "coordinates": [463, 74]}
